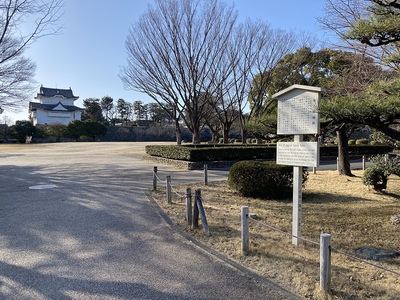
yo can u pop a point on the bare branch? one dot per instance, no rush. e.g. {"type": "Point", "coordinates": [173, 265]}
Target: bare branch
{"type": "Point", "coordinates": [17, 72]}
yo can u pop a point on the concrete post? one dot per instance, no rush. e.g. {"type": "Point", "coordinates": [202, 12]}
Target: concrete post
{"type": "Point", "coordinates": [325, 262]}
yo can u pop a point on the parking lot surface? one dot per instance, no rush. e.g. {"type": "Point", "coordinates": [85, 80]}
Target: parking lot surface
{"type": "Point", "coordinates": [75, 223]}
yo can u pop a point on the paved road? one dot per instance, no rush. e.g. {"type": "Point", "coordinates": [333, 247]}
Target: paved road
{"type": "Point", "coordinates": [96, 235]}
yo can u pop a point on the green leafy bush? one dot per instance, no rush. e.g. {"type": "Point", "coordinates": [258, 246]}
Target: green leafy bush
{"type": "Point", "coordinates": [265, 180]}
{"type": "Point", "coordinates": [352, 142]}
{"type": "Point", "coordinates": [378, 175]}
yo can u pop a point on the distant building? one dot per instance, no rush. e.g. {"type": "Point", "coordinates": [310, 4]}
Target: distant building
{"type": "Point", "coordinates": [54, 106]}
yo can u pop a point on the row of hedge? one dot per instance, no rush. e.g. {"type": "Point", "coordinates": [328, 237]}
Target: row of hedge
{"type": "Point", "coordinates": [243, 152]}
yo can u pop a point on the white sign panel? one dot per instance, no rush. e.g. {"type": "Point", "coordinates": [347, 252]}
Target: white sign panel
{"type": "Point", "coordinates": [302, 154]}
{"type": "Point", "coordinates": [298, 113]}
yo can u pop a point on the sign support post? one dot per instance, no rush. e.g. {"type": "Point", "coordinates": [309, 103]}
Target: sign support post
{"type": "Point", "coordinates": [297, 198]}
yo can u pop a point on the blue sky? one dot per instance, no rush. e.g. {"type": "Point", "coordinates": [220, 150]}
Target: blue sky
{"type": "Point", "coordinates": [88, 55]}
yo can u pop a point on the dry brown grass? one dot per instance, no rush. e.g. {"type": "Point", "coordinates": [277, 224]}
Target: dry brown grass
{"type": "Point", "coordinates": [355, 215]}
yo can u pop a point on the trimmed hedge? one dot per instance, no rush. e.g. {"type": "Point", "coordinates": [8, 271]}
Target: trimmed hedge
{"type": "Point", "coordinates": [265, 180]}
{"type": "Point", "coordinates": [206, 152]}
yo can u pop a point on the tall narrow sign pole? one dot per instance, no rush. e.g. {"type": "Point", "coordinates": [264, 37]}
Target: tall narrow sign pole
{"type": "Point", "coordinates": [297, 198]}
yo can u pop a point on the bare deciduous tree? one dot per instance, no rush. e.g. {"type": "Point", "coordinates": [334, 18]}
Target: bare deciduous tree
{"type": "Point", "coordinates": [17, 71]}
{"type": "Point", "coordinates": [175, 52]}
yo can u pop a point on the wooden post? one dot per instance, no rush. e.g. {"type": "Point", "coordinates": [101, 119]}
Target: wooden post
{"type": "Point", "coordinates": [195, 219]}
{"type": "Point", "coordinates": [154, 178]}
{"type": "Point", "coordinates": [363, 162]}
{"type": "Point", "coordinates": [169, 197]}
{"type": "Point", "coordinates": [245, 230]}
{"type": "Point", "coordinates": [325, 262]}
{"type": "Point", "coordinates": [205, 174]}
{"type": "Point", "coordinates": [189, 206]}
{"type": "Point", "coordinates": [203, 217]}
{"type": "Point", "coordinates": [297, 198]}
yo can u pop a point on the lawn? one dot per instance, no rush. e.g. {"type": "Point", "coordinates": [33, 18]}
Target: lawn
{"type": "Point", "coordinates": [355, 215]}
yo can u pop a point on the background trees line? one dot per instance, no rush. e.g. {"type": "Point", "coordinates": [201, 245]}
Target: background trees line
{"type": "Point", "coordinates": [122, 112]}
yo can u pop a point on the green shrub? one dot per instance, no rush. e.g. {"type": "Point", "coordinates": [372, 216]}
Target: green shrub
{"type": "Point", "coordinates": [362, 142]}
{"type": "Point", "coordinates": [375, 143]}
{"type": "Point", "coordinates": [265, 180]}
{"type": "Point", "coordinates": [352, 142]}
{"type": "Point", "coordinates": [378, 175]}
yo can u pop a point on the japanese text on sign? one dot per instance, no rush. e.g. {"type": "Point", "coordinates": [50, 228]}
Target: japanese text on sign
{"type": "Point", "coordinates": [298, 114]}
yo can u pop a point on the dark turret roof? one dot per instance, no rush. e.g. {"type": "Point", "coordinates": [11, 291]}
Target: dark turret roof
{"type": "Point", "coordinates": [50, 92]}
{"type": "Point", "coordinates": [49, 107]}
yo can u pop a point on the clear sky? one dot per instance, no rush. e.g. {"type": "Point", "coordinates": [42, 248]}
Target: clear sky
{"type": "Point", "coordinates": [88, 55]}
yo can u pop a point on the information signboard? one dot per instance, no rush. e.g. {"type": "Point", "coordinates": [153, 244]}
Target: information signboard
{"type": "Point", "coordinates": [298, 112]}
{"type": "Point", "coordinates": [302, 154]}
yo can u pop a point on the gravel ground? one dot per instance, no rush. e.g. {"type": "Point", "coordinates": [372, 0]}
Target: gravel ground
{"type": "Point", "coordinates": [88, 231]}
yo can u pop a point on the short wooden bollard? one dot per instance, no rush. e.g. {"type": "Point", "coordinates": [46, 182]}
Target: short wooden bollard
{"type": "Point", "coordinates": [189, 206]}
{"type": "Point", "coordinates": [325, 263]}
{"type": "Point", "coordinates": [154, 178]}
{"type": "Point", "coordinates": [245, 229]}
{"type": "Point", "coordinates": [195, 217]}
{"type": "Point", "coordinates": [205, 174]}
{"type": "Point", "coordinates": [169, 196]}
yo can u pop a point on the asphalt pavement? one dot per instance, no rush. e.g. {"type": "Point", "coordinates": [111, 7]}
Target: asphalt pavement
{"type": "Point", "coordinates": [76, 223]}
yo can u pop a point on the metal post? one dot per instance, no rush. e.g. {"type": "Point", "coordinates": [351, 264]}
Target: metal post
{"type": "Point", "coordinates": [314, 169]}
{"type": "Point", "coordinates": [325, 262]}
{"type": "Point", "coordinates": [189, 206]}
{"type": "Point", "coordinates": [337, 164]}
{"type": "Point", "coordinates": [169, 197]}
{"type": "Point", "coordinates": [363, 162]}
{"type": "Point", "coordinates": [205, 174]}
{"type": "Point", "coordinates": [154, 178]}
{"type": "Point", "coordinates": [245, 230]}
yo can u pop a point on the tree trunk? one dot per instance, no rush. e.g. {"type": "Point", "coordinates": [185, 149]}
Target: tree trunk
{"type": "Point", "coordinates": [343, 151]}
{"type": "Point", "coordinates": [225, 134]}
{"type": "Point", "coordinates": [215, 137]}
{"type": "Point", "coordinates": [178, 132]}
{"type": "Point", "coordinates": [244, 136]}
{"type": "Point", "coordinates": [195, 137]}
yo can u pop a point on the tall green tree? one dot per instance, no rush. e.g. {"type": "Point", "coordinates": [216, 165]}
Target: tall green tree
{"type": "Point", "coordinates": [107, 105]}
{"type": "Point", "coordinates": [140, 110]}
{"type": "Point", "coordinates": [124, 109]}
{"type": "Point", "coordinates": [93, 111]}
{"type": "Point", "coordinates": [342, 75]}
